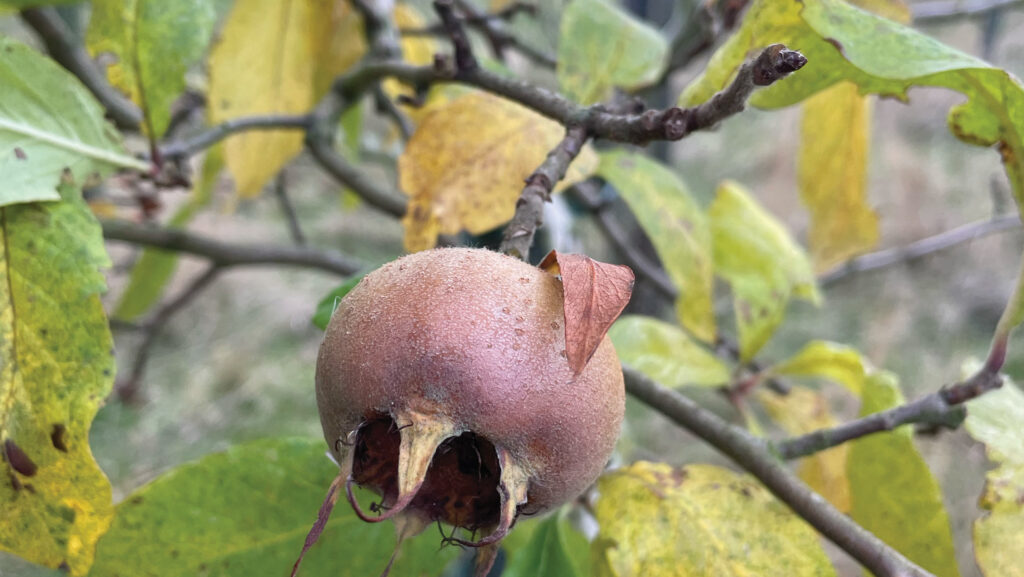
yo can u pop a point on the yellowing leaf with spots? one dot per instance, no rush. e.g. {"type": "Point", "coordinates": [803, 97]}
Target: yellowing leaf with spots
{"type": "Point", "coordinates": [892, 492]}
{"type": "Point", "coordinates": [761, 261]}
{"type": "Point", "coordinates": [995, 419]}
{"type": "Point", "coordinates": [833, 175]}
{"type": "Point", "coordinates": [275, 58]}
{"type": "Point", "coordinates": [154, 43]}
{"type": "Point", "coordinates": [56, 367]}
{"type": "Point", "coordinates": [698, 521]}
{"type": "Point", "coordinates": [464, 167]}
{"type": "Point", "coordinates": [803, 411]}
{"type": "Point", "coordinates": [678, 228]}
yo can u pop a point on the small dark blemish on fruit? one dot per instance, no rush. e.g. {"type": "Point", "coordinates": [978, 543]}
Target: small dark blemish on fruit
{"type": "Point", "coordinates": [18, 460]}
{"type": "Point", "coordinates": [136, 500]}
{"type": "Point", "coordinates": [57, 437]}
{"type": "Point", "coordinates": [554, 326]}
{"type": "Point", "coordinates": [20, 154]}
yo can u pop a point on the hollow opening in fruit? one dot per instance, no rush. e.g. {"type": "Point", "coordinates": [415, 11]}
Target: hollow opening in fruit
{"type": "Point", "coordinates": [460, 487]}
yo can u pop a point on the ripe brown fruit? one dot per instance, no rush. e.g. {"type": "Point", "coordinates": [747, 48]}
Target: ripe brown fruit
{"type": "Point", "coordinates": [443, 385]}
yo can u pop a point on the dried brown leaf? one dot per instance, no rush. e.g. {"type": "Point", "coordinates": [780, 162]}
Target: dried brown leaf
{"type": "Point", "coordinates": [594, 294]}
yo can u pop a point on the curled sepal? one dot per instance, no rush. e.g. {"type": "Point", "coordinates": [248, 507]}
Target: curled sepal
{"type": "Point", "coordinates": [406, 525]}
{"type": "Point", "coordinates": [485, 558]}
{"type": "Point", "coordinates": [512, 489]}
{"type": "Point", "coordinates": [421, 435]}
{"type": "Point", "coordinates": [321, 520]}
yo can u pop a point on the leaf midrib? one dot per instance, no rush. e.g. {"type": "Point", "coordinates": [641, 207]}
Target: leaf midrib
{"type": "Point", "coordinates": [76, 146]}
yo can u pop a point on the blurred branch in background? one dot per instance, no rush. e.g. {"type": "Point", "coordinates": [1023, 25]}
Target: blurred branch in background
{"type": "Point", "coordinates": [919, 249]}
{"type": "Point", "coordinates": [225, 254]}
{"type": "Point", "coordinates": [938, 10]}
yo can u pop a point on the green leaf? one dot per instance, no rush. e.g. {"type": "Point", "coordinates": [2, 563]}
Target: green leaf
{"type": "Point", "coordinates": [155, 267]}
{"type": "Point", "coordinates": [327, 305]}
{"type": "Point", "coordinates": [893, 494]}
{"type": "Point", "coordinates": [49, 122]}
{"type": "Point", "coordinates": [764, 265]}
{"type": "Point", "coordinates": [154, 42]}
{"type": "Point", "coordinates": [995, 420]}
{"type": "Point", "coordinates": [56, 367]}
{"type": "Point", "coordinates": [555, 548]}
{"type": "Point", "coordinates": [879, 56]}
{"type": "Point", "coordinates": [246, 512]}
{"type": "Point", "coordinates": [664, 353]}
{"type": "Point", "coordinates": [833, 361]}
{"type": "Point", "coordinates": [602, 47]}
{"type": "Point", "coordinates": [699, 520]}
{"type": "Point", "coordinates": [677, 227]}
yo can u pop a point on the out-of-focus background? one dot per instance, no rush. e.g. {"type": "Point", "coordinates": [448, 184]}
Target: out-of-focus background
{"type": "Point", "coordinates": [238, 362]}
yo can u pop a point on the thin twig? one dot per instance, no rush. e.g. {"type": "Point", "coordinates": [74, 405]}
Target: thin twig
{"type": "Point", "coordinates": [921, 248]}
{"type": "Point", "coordinates": [751, 453]}
{"type": "Point", "coordinates": [64, 47]}
{"type": "Point", "coordinates": [127, 389]}
{"type": "Point", "coordinates": [518, 236]}
{"type": "Point", "coordinates": [211, 136]}
{"type": "Point", "coordinates": [587, 193]}
{"type": "Point", "coordinates": [226, 254]}
{"type": "Point", "coordinates": [943, 408]}
{"type": "Point", "coordinates": [936, 10]}
{"type": "Point", "coordinates": [465, 61]}
{"type": "Point", "coordinates": [281, 192]}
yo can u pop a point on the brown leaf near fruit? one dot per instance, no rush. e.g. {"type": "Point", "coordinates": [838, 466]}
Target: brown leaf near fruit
{"type": "Point", "coordinates": [594, 294]}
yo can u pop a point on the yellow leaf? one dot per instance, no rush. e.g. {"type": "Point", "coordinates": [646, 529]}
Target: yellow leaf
{"type": "Point", "coordinates": [803, 411]}
{"type": "Point", "coordinates": [995, 420]}
{"type": "Point", "coordinates": [827, 360]}
{"type": "Point", "coordinates": [833, 175]}
{"type": "Point", "coordinates": [464, 167]}
{"type": "Point", "coordinates": [275, 58]}
{"type": "Point", "coordinates": [699, 521]}
{"type": "Point", "coordinates": [418, 50]}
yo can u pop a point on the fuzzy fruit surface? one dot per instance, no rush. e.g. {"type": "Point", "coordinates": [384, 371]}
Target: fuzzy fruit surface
{"type": "Point", "coordinates": [443, 385]}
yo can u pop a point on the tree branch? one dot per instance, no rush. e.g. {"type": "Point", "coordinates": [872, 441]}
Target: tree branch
{"type": "Point", "coordinates": [921, 248]}
{"type": "Point", "coordinates": [225, 254]}
{"type": "Point", "coordinates": [753, 455]}
{"type": "Point", "coordinates": [518, 236]}
{"type": "Point", "coordinates": [65, 48]}
{"type": "Point", "coordinates": [943, 408]}
{"type": "Point", "coordinates": [127, 389]}
{"type": "Point", "coordinates": [936, 10]}
{"type": "Point", "coordinates": [211, 136]}
{"type": "Point", "coordinates": [285, 202]}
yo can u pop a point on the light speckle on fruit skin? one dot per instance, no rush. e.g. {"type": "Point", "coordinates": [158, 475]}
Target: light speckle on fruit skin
{"type": "Point", "coordinates": [457, 332]}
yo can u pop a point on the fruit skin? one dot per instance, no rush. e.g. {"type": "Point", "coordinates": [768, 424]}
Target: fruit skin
{"type": "Point", "coordinates": [453, 340]}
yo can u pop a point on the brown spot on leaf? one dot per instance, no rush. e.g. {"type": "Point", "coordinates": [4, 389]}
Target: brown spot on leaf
{"type": "Point", "coordinates": [19, 153]}
{"type": "Point", "coordinates": [18, 460]}
{"type": "Point", "coordinates": [57, 437]}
